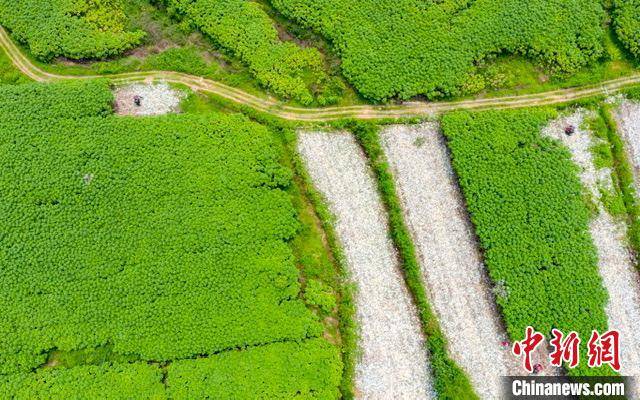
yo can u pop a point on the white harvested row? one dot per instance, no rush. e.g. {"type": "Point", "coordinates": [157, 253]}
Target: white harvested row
{"type": "Point", "coordinates": [448, 254]}
{"type": "Point", "coordinates": [393, 362]}
{"type": "Point", "coordinates": [616, 266]}
{"type": "Point", "coordinates": [628, 119]}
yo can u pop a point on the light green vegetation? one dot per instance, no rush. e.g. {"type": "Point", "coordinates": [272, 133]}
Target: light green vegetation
{"type": "Point", "coordinates": [526, 202]}
{"type": "Point", "coordinates": [277, 371]}
{"type": "Point", "coordinates": [126, 243]}
{"type": "Point", "coordinates": [75, 29]}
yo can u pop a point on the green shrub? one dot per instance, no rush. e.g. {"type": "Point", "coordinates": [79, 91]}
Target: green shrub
{"type": "Point", "coordinates": [75, 29]}
{"type": "Point", "coordinates": [138, 381]}
{"type": "Point", "coordinates": [319, 295]}
{"type": "Point", "coordinates": [626, 19]}
{"type": "Point", "coordinates": [526, 202]}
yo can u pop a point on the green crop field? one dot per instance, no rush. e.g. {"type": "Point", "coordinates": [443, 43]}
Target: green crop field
{"type": "Point", "coordinates": [527, 205]}
{"type": "Point", "coordinates": [163, 239]}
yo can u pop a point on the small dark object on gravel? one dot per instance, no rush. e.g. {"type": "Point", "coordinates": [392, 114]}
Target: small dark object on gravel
{"type": "Point", "coordinates": [537, 368]}
{"type": "Point", "coordinates": [570, 130]}
{"type": "Point", "coordinates": [137, 100]}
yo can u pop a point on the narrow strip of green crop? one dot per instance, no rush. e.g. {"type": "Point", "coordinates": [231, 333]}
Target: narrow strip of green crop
{"type": "Point", "coordinates": [450, 381]}
{"type": "Point", "coordinates": [526, 203]}
{"type": "Point", "coordinates": [624, 174]}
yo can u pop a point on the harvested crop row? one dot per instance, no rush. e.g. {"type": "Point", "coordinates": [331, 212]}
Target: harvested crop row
{"type": "Point", "coordinates": [450, 261]}
{"type": "Point", "coordinates": [394, 361]}
{"type": "Point", "coordinates": [526, 203]}
{"type": "Point", "coordinates": [616, 263]}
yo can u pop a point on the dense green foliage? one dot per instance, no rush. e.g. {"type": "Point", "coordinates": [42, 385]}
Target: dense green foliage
{"type": "Point", "coordinates": [165, 238]}
{"type": "Point", "coordinates": [626, 17]}
{"type": "Point", "coordinates": [278, 371]}
{"type": "Point", "coordinates": [525, 201]}
{"type": "Point", "coordinates": [245, 29]}
{"type": "Point", "coordinates": [107, 382]}
{"type": "Point", "coordinates": [406, 48]}
{"type": "Point", "coordinates": [308, 370]}
{"type": "Point", "coordinates": [75, 29]}
{"type": "Point", "coordinates": [450, 381]}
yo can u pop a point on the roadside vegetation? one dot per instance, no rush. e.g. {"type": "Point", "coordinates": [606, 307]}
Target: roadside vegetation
{"type": "Point", "coordinates": [246, 30]}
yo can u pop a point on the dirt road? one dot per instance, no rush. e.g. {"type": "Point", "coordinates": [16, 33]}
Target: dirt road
{"type": "Point", "coordinates": [279, 109]}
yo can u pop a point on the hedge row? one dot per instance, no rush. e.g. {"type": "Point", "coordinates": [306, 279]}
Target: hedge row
{"type": "Point", "coordinates": [75, 29]}
{"type": "Point", "coordinates": [525, 200]}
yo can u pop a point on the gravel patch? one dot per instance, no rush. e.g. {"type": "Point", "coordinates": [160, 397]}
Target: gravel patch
{"type": "Point", "coordinates": [619, 275]}
{"type": "Point", "coordinates": [393, 362]}
{"type": "Point", "coordinates": [451, 263]}
{"type": "Point", "coordinates": [155, 99]}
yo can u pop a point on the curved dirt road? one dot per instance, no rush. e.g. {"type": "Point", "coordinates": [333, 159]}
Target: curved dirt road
{"type": "Point", "coordinates": [279, 109]}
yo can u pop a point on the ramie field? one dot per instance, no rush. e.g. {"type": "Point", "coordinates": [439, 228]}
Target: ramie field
{"type": "Point", "coordinates": [213, 252]}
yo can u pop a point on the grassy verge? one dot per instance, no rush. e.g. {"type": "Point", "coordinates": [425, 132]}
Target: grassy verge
{"type": "Point", "coordinates": [449, 380]}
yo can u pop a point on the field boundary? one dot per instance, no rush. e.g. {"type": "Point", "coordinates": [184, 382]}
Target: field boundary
{"type": "Point", "coordinates": [278, 108]}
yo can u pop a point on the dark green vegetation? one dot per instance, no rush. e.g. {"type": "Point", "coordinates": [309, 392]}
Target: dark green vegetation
{"type": "Point", "coordinates": [626, 17]}
{"type": "Point", "coordinates": [161, 239]}
{"type": "Point", "coordinates": [406, 48]}
{"type": "Point", "coordinates": [75, 29]}
{"type": "Point", "coordinates": [450, 381]}
{"type": "Point", "coordinates": [526, 203]}
{"type": "Point", "coordinates": [9, 74]}
{"type": "Point", "coordinates": [244, 29]}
